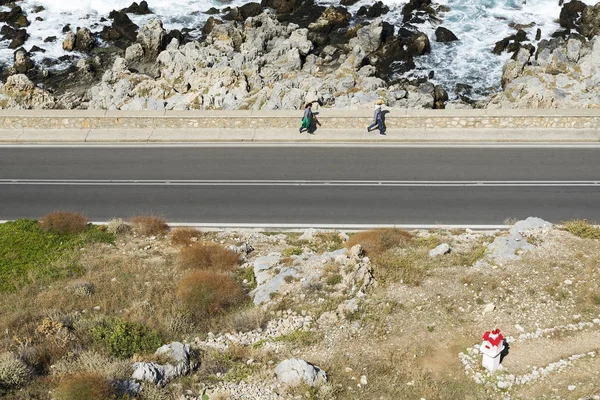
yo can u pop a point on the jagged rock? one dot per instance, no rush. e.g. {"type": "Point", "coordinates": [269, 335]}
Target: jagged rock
{"type": "Point", "coordinates": [590, 21]}
{"type": "Point", "coordinates": [134, 53]}
{"type": "Point", "coordinates": [23, 94]}
{"type": "Point", "coordinates": [560, 76]}
{"type": "Point", "coordinates": [138, 9]}
{"type": "Point", "coordinates": [121, 29]}
{"type": "Point", "coordinates": [152, 37]}
{"type": "Point", "coordinates": [84, 41]}
{"type": "Point", "coordinates": [571, 13]}
{"type": "Point", "coordinates": [15, 17]}
{"type": "Point", "coordinates": [161, 374]}
{"type": "Point", "coordinates": [440, 250]}
{"type": "Point", "coordinates": [510, 247]}
{"type": "Point", "coordinates": [69, 42]}
{"type": "Point", "coordinates": [418, 11]}
{"type": "Point", "coordinates": [22, 62]}
{"type": "Point", "coordinates": [210, 24]}
{"type": "Point", "coordinates": [18, 38]}
{"type": "Point", "coordinates": [444, 35]}
{"type": "Point", "coordinates": [294, 372]}
{"type": "Point", "coordinates": [244, 12]}
{"type": "Point", "coordinates": [374, 11]}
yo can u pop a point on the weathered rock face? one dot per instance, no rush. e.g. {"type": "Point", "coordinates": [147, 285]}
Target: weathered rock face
{"type": "Point", "coordinates": [264, 64]}
{"type": "Point", "coordinates": [570, 14]}
{"type": "Point", "coordinates": [69, 41]}
{"type": "Point", "coordinates": [122, 29]}
{"type": "Point", "coordinates": [374, 11]}
{"type": "Point", "coordinates": [562, 74]}
{"type": "Point", "coordinates": [19, 92]}
{"type": "Point", "coordinates": [139, 9]}
{"type": "Point", "coordinates": [160, 374]}
{"type": "Point", "coordinates": [22, 62]}
{"type": "Point", "coordinates": [84, 41]}
{"type": "Point", "coordinates": [152, 37]}
{"type": "Point", "coordinates": [241, 13]}
{"type": "Point", "coordinates": [210, 24]}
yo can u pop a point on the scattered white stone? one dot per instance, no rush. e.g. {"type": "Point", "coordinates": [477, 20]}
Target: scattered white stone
{"type": "Point", "coordinates": [440, 250]}
{"type": "Point", "coordinates": [363, 380]}
{"type": "Point", "coordinates": [519, 328]}
{"type": "Point", "coordinates": [571, 387]}
{"type": "Point", "coordinates": [568, 282]}
{"type": "Point", "coordinates": [489, 308]}
{"type": "Point", "coordinates": [294, 371]}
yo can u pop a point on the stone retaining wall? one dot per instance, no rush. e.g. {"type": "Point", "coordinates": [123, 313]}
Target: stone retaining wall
{"type": "Point", "coordinates": [330, 119]}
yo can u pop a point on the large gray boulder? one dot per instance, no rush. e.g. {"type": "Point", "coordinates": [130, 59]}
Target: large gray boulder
{"type": "Point", "coordinates": [160, 374]}
{"type": "Point", "coordinates": [293, 372]}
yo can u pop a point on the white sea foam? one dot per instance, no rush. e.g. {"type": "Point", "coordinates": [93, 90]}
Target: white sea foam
{"type": "Point", "coordinates": [477, 23]}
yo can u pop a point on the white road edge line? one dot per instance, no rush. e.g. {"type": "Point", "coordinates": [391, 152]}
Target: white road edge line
{"type": "Point", "coordinates": [318, 183]}
{"type": "Point", "coordinates": [500, 145]}
{"type": "Point", "coordinates": [281, 226]}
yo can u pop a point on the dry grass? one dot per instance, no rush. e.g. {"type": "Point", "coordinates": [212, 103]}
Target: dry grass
{"type": "Point", "coordinates": [245, 320]}
{"type": "Point", "coordinates": [185, 236]}
{"type": "Point", "coordinates": [13, 372]}
{"type": "Point", "coordinates": [64, 223]}
{"type": "Point", "coordinates": [149, 225]}
{"type": "Point", "coordinates": [208, 256]}
{"type": "Point", "coordinates": [84, 386]}
{"type": "Point", "coordinates": [208, 293]}
{"type": "Point", "coordinates": [376, 241]}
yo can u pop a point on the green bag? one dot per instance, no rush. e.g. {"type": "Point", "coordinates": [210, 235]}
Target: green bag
{"type": "Point", "coordinates": [305, 123]}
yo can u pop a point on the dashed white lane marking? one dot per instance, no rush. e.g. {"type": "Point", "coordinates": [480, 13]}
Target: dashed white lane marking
{"type": "Point", "coordinates": [317, 183]}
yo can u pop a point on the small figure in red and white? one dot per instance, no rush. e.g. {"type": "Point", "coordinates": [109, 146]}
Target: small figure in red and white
{"type": "Point", "coordinates": [492, 346]}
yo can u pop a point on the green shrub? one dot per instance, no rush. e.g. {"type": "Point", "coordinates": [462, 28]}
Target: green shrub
{"type": "Point", "coordinates": [64, 223]}
{"type": "Point", "coordinates": [291, 251]}
{"type": "Point", "coordinates": [124, 339]}
{"type": "Point", "coordinates": [28, 253]}
{"type": "Point", "coordinates": [13, 372]}
{"type": "Point", "coordinates": [582, 229]}
{"type": "Point", "coordinates": [84, 386]}
{"type": "Point", "coordinates": [208, 293]}
{"type": "Point", "coordinates": [333, 280]}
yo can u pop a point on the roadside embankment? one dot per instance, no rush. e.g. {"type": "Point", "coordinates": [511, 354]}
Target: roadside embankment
{"type": "Point", "coordinates": [402, 125]}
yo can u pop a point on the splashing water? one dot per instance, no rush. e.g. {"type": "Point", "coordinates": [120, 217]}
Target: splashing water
{"type": "Point", "coordinates": [477, 23]}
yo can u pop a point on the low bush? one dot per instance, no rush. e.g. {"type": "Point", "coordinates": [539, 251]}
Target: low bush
{"type": "Point", "coordinates": [208, 256]}
{"type": "Point", "coordinates": [89, 361]}
{"type": "Point", "coordinates": [582, 229]}
{"type": "Point", "coordinates": [208, 293]}
{"type": "Point", "coordinates": [123, 339]}
{"type": "Point", "coordinates": [376, 241]}
{"type": "Point", "coordinates": [84, 386]}
{"type": "Point", "coordinates": [28, 253]}
{"type": "Point", "coordinates": [183, 236]}
{"type": "Point", "coordinates": [149, 225]}
{"type": "Point", "coordinates": [13, 372]}
{"type": "Point", "coordinates": [245, 320]}
{"type": "Point", "coordinates": [117, 226]}
{"type": "Point", "coordinates": [64, 223]}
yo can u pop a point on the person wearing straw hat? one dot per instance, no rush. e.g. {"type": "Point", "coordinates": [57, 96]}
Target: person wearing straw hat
{"type": "Point", "coordinates": [377, 118]}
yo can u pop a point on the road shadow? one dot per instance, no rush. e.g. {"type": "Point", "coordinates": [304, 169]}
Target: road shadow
{"type": "Point", "coordinates": [313, 124]}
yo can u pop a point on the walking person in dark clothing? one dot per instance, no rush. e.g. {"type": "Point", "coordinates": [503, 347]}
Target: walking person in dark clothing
{"type": "Point", "coordinates": [306, 118]}
{"type": "Point", "coordinates": [377, 118]}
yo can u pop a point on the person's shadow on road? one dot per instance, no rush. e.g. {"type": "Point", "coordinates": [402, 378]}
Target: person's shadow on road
{"type": "Point", "coordinates": [313, 124]}
{"type": "Point", "coordinates": [383, 114]}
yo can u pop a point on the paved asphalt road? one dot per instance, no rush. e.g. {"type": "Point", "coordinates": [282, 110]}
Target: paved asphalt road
{"type": "Point", "coordinates": [303, 185]}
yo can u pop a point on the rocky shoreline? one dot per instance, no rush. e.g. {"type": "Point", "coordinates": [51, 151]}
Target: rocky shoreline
{"type": "Point", "coordinates": [280, 54]}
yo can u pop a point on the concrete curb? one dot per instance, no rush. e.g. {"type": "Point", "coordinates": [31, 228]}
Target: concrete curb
{"type": "Point", "coordinates": [286, 135]}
